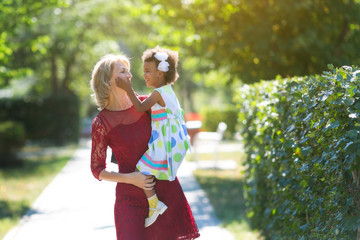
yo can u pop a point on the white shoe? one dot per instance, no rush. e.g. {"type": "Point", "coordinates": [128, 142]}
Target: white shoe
{"type": "Point", "coordinates": [160, 209]}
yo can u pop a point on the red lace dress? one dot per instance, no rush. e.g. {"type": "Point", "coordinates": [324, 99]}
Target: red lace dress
{"type": "Point", "coordinates": [127, 133]}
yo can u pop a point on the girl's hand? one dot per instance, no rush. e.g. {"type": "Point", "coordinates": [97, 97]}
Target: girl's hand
{"type": "Point", "coordinates": [145, 182]}
{"type": "Point", "coordinates": [123, 83]}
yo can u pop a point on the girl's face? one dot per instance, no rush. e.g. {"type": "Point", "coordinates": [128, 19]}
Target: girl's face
{"type": "Point", "coordinates": [120, 70]}
{"type": "Point", "coordinates": [153, 77]}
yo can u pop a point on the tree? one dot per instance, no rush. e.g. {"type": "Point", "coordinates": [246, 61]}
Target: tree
{"type": "Point", "coordinates": [75, 37]}
{"type": "Point", "coordinates": [16, 14]}
{"type": "Point", "coordinates": [255, 40]}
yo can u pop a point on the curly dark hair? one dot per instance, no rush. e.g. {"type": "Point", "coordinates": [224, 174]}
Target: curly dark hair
{"type": "Point", "coordinates": [170, 76]}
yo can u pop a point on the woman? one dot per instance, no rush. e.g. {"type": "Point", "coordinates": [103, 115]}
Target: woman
{"type": "Point", "coordinates": [127, 133]}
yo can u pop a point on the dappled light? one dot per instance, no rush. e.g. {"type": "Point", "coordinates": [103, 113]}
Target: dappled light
{"type": "Point", "coordinates": [283, 76]}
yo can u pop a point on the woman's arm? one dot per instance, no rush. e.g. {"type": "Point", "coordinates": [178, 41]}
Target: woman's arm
{"type": "Point", "coordinates": [146, 182]}
{"type": "Point", "coordinates": [99, 145]}
{"type": "Point", "coordinates": [140, 106]}
{"type": "Point", "coordinates": [98, 161]}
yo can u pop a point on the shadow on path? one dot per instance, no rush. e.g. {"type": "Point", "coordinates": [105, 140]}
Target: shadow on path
{"type": "Point", "coordinates": [76, 206]}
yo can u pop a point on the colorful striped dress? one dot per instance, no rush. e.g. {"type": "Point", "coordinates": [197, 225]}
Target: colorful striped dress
{"type": "Point", "coordinates": [169, 140]}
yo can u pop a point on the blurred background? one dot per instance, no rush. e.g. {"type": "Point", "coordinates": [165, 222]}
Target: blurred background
{"type": "Point", "coordinates": [49, 47]}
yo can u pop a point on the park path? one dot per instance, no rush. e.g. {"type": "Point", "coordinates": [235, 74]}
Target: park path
{"type": "Point", "coordinates": [76, 206]}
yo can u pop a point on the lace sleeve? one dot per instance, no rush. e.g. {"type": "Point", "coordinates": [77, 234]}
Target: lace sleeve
{"type": "Point", "coordinates": [142, 97]}
{"type": "Point", "coordinates": [98, 147]}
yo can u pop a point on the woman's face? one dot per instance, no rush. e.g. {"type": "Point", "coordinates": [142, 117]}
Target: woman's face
{"type": "Point", "coordinates": [120, 70]}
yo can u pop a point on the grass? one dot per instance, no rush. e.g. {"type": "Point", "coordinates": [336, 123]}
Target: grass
{"type": "Point", "coordinates": [20, 186]}
{"type": "Point", "coordinates": [224, 189]}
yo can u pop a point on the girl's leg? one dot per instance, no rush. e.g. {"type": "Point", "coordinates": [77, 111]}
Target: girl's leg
{"type": "Point", "coordinates": [150, 193]}
{"type": "Point", "coordinates": [151, 197]}
{"type": "Point", "coordinates": [156, 207]}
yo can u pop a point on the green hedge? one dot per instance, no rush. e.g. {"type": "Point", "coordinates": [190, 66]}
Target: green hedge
{"type": "Point", "coordinates": [212, 117]}
{"type": "Point", "coordinates": [54, 118]}
{"type": "Point", "coordinates": [302, 138]}
{"type": "Point", "coordinates": [12, 138]}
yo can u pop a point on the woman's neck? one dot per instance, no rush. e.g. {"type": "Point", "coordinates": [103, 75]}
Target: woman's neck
{"type": "Point", "coordinates": [118, 100]}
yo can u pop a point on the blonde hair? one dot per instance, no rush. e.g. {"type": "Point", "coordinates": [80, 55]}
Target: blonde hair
{"type": "Point", "coordinates": [101, 75]}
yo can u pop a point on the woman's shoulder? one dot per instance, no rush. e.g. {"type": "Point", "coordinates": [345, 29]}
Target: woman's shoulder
{"type": "Point", "coordinates": [102, 118]}
{"type": "Point", "coordinates": [97, 121]}
{"type": "Point", "coordinates": [98, 127]}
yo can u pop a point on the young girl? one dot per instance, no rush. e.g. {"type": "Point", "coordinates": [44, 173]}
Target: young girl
{"type": "Point", "coordinates": [169, 139]}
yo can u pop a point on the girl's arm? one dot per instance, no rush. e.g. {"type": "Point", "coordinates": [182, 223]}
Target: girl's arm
{"type": "Point", "coordinates": [143, 106]}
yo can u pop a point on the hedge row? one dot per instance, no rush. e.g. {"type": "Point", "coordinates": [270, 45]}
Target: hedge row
{"type": "Point", "coordinates": [55, 118]}
{"type": "Point", "coordinates": [302, 138]}
{"type": "Point", "coordinates": [12, 137]}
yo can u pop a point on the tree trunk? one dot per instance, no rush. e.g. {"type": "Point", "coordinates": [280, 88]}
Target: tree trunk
{"type": "Point", "coordinates": [67, 75]}
{"type": "Point", "coordinates": [54, 78]}
{"type": "Point", "coordinates": [344, 31]}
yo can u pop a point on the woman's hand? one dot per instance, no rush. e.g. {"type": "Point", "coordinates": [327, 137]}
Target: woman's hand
{"type": "Point", "coordinates": [123, 83]}
{"type": "Point", "coordinates": [145, 182]}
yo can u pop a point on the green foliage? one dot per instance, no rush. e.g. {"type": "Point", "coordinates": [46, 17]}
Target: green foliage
{"type": "Point", "coordinates": [255, 40]}
{"type": "Point", "coordinates": [16, 15]}
{"type": "Point", "coordinates": [59, 41]}
{"type": "Point", "coordinates": [212, 117]}
{"type": "Point", "coordinates": [54, 118]}
{"type": "Point", "coordinates": [64, 41]}
{"type": "Point", "coordinates": [302, 140]}
{"type": "Point", "coordinates": [12, 138]}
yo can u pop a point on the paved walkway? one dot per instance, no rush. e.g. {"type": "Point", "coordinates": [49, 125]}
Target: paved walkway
{"type": "Point", "coordinates": [76, 206]}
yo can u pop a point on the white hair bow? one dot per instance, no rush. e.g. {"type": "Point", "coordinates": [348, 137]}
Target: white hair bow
{"type": "Point", "coordinates": [163, 65]}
